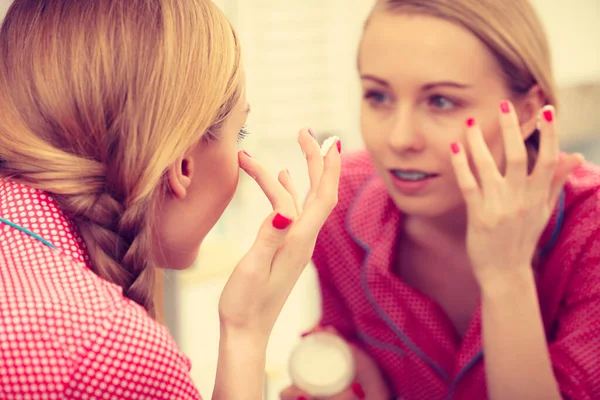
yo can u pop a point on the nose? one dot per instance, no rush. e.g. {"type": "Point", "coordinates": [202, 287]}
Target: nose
{"type": "Point", "coordinates": [406, 134]}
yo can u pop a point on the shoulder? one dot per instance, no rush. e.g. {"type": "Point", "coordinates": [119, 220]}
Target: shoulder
{"type": "Point", "coordinates": [54, 311]}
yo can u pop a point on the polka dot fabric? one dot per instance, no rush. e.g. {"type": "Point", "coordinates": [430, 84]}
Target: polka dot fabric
{"type": "Point", "coordinates": [409, 335]}
{"type": "Point", "coordinates": [65, 333]}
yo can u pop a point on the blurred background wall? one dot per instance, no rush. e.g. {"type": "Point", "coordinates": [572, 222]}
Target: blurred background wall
{"type": "Point", "coordinates": [299, 58]}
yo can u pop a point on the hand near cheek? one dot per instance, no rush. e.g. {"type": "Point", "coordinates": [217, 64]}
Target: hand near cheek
{"type": "Point", "coordinates": [507, 214]}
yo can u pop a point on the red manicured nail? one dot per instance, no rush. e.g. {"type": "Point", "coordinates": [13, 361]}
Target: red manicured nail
{"type": "Point", "coordinates": [302, 398]}
{"type": "Point", "coordinates": [280, 222]}
{"type": "Point", "coordinates": [548, 116]}
{"type": "Point", "coordinates": [305, 334]}
{"type": "Point", "coordinates": [311, 132]}
{"type": "Point", "coordinates": [339, 146]}
{"type": "Point", "coordinates": [504, 107]}
{"type": "Point", "coordinates": [358, 390]}
{"type": "Point", "coordinates": [247, 154]}
{"type": "Point", "coordinates": [470, 122]}
{"type": "Point", "coordinates": [454, 147]}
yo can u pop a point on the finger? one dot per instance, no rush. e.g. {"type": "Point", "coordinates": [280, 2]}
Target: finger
{"type": "Point", "coordinates": [484, 163]}
{"type": "Point", "coordinates": [545, 165]}
{"type": "Point", "coordinates": [275, 192]}
{"type": "Point", "coordinates": [514, 146]}
{"type": "Point", "coordinates": [286, 181]}
{"type": "Point", "coordinates": [325, 198]}
{"type": "Point", "coordinates": [269, 239]}
{"type": "Point", "coordinates": [293, 393]}
{"type": "Point", "coordinates": [300, 241]}
{"type": "Point", "coordinates": [314, 160]}
{"type": "Point", "coordinates": [566, 165]}
{"type": "Point", "coordinates": [464, 177]}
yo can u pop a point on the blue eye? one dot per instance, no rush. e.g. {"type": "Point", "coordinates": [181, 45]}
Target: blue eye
{"type": "Point", "coordinates": [243, 133]}
{"type": "Point", "coordinates": [376, 97]}
{"type": "Point", "coordinates": [441, 102]}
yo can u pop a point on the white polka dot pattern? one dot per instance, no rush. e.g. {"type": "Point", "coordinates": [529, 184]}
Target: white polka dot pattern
{"type": "Point", "coordinates": [65, 333]}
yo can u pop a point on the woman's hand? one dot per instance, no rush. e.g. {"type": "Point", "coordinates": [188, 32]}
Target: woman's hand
{"type": "Point", "coordinates": [262, 281]}
{"type": "Point", "coordinates": [369, 383]}
{"type": "Point", "coordinates": [260, 284]}
{"type": "Point", "coordinates": [508, 213]}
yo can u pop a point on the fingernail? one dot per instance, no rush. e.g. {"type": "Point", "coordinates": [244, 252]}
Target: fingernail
{"type": "Point", "coordinates": [505, 107]}
{"type": "Point", "coordinates": [358, 390]}
{"type": "Point", "coordinates": [280, 222]}
{"type": "Point", "coordinates": [470, 122]}
{"type": "Point", "coordinates": [311, 132]}
{"type": "Point", "coordinates": [305, 334]}
{"type": "Point", "coordinates": [339, 146]}
{"type": "Point", "coordinates": [247, 154]}
{"type": "Point", "coordinates": [302, 398]}
{"type": "Point", "coordinates": [548, 115]}
{"type": "Point", "coordinates": [454, 147]}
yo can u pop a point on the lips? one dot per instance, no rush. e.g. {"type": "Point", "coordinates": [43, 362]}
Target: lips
{"type": "Point", "coordinates": [412, 175]}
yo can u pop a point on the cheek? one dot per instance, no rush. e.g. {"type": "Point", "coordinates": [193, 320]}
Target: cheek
{"type": "Point", "coordinates": [495, 142]}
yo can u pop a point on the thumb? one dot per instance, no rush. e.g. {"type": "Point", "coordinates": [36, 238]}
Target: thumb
{"type": "Point", "coordinates": [271, 236]}
{"type": "Point", "coordinates": [566, 165]}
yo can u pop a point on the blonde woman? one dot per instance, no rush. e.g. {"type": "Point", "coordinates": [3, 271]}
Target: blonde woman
{"type": "Point", "coordinates": [463, 258]}
{"type": "Point", "coordinates": [119, 122]}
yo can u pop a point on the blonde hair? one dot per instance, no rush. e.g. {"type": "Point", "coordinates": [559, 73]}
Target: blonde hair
{"type": "Point", "coordinates": [511, 30]}
{"type": "Point", "coordinates": [98, 99]}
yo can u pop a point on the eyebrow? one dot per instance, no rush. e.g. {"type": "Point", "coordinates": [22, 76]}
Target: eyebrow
{"type": "Point", "coordinates": [427, 86]}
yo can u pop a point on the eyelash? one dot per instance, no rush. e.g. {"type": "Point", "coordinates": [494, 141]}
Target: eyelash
{"type": "Point", "coordinates": [243, 133]}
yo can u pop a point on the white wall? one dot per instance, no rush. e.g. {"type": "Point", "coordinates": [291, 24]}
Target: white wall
{"type": "Point", "coordinates": [574, 34]}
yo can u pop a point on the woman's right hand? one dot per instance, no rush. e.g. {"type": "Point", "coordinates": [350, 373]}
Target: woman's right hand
{"type": "Point", "coordinates": [262, 281]}
{"type": "Point", "coordinates": [368, 384]}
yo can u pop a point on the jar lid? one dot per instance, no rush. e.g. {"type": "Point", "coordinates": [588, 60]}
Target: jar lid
{"type": "Point", "coordinates": [322, 365]}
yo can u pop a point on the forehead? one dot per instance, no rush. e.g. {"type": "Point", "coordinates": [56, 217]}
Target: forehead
{"type": "Point", "coordinates": [424, 48]}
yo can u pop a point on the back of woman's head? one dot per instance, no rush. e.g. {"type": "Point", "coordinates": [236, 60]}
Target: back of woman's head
{"type": "Point", "coordinates": [98, 99]}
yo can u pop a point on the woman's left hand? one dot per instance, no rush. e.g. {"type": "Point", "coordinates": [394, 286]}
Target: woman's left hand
{"type": "Point", "coordinates": [507, 213]}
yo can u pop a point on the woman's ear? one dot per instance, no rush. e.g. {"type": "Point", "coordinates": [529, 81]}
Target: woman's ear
{"type": "Point", "coordinates": [179, 177]}
{"type": "Point", "coordinates": [528, 108]}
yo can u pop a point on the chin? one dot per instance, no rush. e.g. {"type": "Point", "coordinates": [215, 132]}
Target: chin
{"type": "Point", "coordinates": [425, 207]}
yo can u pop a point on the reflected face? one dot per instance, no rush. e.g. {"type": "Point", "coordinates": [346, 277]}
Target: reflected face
{"type": "Point", "coordinates": [422, 78]}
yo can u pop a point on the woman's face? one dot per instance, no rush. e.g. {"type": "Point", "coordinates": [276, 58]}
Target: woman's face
{"type": "Point", "coordinates": [202, 185]}
{"type": "Point", "coordinates": [422, 78]}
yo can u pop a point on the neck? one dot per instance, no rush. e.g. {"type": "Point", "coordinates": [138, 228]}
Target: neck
{"type": "Point", "coordinates": [434, 232]}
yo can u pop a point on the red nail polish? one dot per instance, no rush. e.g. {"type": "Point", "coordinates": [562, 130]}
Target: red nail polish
{"type": "Point", "coordinates": [280, 222]}
{"type": "Point", "coordinates": [454, 147]}
{"type": "Point", "coordinates": [548, 116]}
{"type": "Point", "coordinates": [305, 334]}
{"type": "Point", "coordinates": [247, 154]}
{"type": "Point", "coordinates": [504, 107]}
{"type": "Point", "coordinates": [339, 146]}
{"type": "Point", "coordinates": [470, 122]}
{"type": "Point", "coordinates": [358, 390]}
{"type": "Point", "coordinates": [311, 132]}
{"type": "Point", "coordinates": [302, 398]}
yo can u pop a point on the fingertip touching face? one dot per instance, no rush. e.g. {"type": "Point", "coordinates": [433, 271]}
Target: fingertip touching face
{"type": "Point", "coordinates": [201, 185]}
{"type": "Point", "coordinates": [422, 77]}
